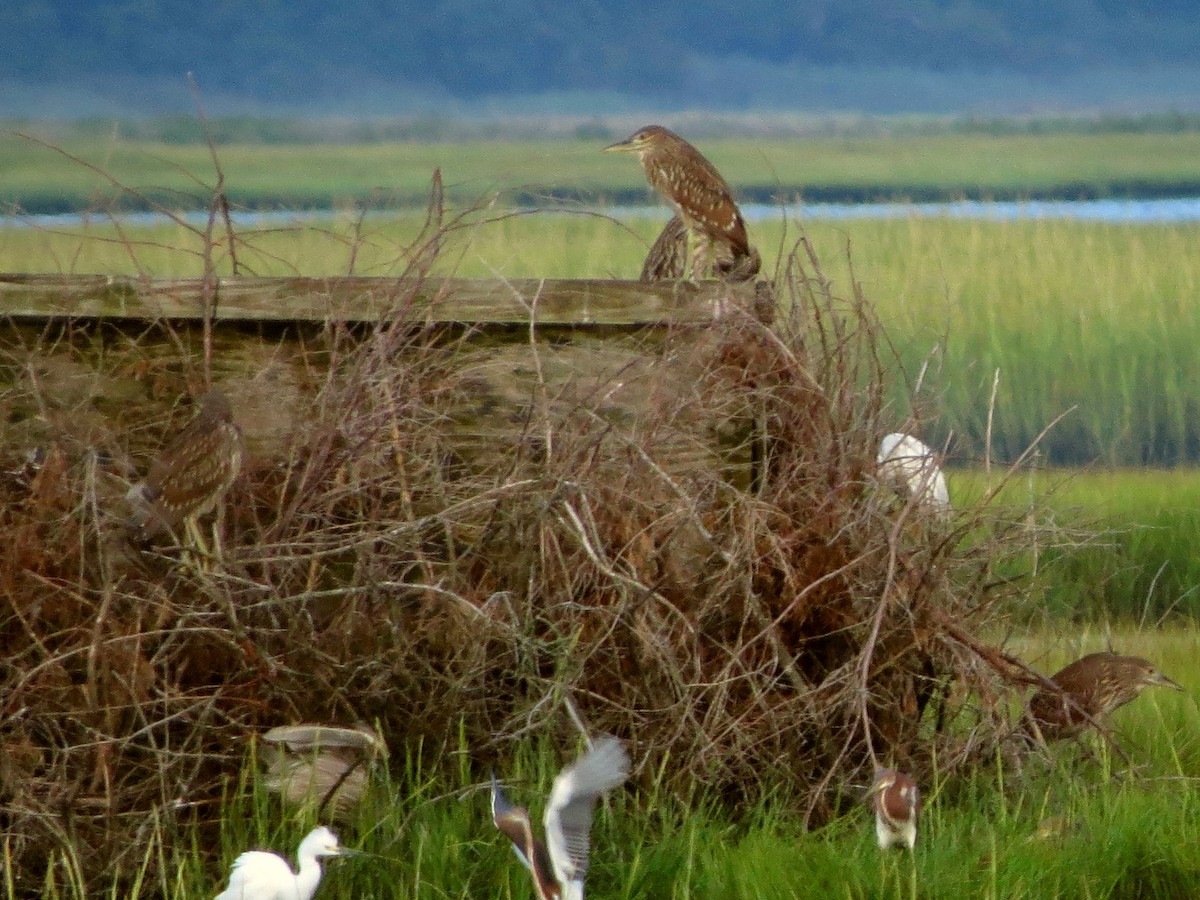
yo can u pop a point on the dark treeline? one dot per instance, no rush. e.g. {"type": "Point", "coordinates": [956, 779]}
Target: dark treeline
{"type": "Point", "coordinates": [277, 49]}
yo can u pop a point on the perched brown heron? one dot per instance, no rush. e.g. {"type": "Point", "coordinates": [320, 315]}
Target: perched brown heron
{"type": "Point", "coordinates": [666, 259]}
{"type": "Point", "coordinates": [1092, 687]}
{"type": "Point", "coordinates": [314, 766]}
{"type": "Point", "coordinates": [701, 198]}
{"type": "Point", "coordinates": [559, 866]}
{"type": "Point", "coordinates": [896, 800]}
{"type": "Point", "coordinates": [190, 476]}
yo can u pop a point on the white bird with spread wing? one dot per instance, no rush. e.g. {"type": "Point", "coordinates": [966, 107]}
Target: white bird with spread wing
{"type": "Point", "coordinates": [259, 875]}
{"type": "Point", "coordinates": [559, 866]}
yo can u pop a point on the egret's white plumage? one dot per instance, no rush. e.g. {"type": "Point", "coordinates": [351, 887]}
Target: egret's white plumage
{"type": "Point", "coordinates": [559, 866]}
{"type": "Point", "coordinates": [911, 464]}
{"type": "Point", "coordinates": [259, 875]}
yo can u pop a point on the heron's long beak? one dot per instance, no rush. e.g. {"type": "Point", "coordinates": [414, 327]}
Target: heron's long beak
{"type": "Point", "coordinates": [1158, 678]}
{"type": "Point", "coordinates": [346, 851]}
{"type": "Point", "coordinates": [620, 146]}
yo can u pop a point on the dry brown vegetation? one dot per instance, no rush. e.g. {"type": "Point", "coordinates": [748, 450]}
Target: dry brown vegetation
{"type": "Point", "coordinates": [675, 535]}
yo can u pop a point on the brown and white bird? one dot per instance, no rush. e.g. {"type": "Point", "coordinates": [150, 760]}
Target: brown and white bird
{"type": "Point", "coordinates": [312, 767]}
{"type": "Point", "coordinates": [559, 866]}
{"type": "Point", "coordinates": [190, 477]}
{"type": "Point", "coordinates": [896, 800]}
{"type": "Point", "coordinates": [701, 198]}
{"type": "Point", "coordinates": [1090, 689]}
{"type": "Point", "coordinates": [666, 260]}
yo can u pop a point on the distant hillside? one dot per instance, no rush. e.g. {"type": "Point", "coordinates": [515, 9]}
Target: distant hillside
{"type": "Point", "coordinates": [284, 51]}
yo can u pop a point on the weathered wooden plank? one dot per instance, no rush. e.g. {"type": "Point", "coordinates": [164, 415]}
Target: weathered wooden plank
{"type": "Point", "coordinates": [369, 299]}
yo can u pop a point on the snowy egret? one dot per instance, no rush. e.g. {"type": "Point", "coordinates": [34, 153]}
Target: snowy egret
{"type": "Point", "coordinates": [912, 466]}
{"type": "Point", "coordinates": [559, 866]}
{"type": "Point", "coordinates": [316, 765]}
{"type": "Point", "coordinates": [259, 875]}
{"type": "Point", "coordinates": [190, 476]}
{"type": "Point", "coordinates": [897, 803]}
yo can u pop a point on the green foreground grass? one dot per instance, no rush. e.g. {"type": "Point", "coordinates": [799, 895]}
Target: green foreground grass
{"type": "Point", "coordinates": [39, 178]}
{"type": "Point", "coordinates": [1128, 834]}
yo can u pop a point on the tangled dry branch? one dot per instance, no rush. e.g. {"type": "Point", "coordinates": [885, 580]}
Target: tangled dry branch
{"type": "Point", "coordinates": [679, 533]}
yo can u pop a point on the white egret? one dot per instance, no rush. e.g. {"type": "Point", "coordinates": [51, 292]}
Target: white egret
{"type": "Point", "coordinates": [912, 466]}
{"type": "Point", "coordinates": [559, 866]}
{"type": "Point", "coordinates": [260, 875]}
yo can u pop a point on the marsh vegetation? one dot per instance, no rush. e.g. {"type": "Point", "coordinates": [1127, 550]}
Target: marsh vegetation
{"type": "Point", "coordinates": [1067, 314]}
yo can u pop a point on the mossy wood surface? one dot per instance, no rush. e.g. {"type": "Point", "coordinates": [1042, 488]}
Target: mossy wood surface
{"type": "Point", "coordinates": [101, 357]}
{"type": "Point", "coordinates": [364, 299]}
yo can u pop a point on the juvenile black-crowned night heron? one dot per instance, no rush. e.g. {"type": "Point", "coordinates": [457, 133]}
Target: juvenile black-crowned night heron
{"type": "Point", "coordinates": [896, 800]}
{"type": "Point", "coordinates": [701, 198]}
{"type": "Point", "coordinates": [312, 767]}
{"type": "Point", "coordinates": [1094, 685]}
{"type": "Point", "coordinates": [666, 259]}
{"type": "Point", "coordinates": [190, 476]}
{"type": "Point", "coordinates": [912, 467]}
{"type": "Point", "coordinates": [559, 866]}
{"type": "Point", "coordinates": [259, 875]}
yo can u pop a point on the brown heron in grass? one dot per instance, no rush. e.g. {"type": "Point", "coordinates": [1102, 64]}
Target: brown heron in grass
{"type": "Point", "coordinates": [1090, 689]}
{"type": "Point", "coordinates": [896, 800]}
{"type": "Point", "coordinates": [190, 477]}
{"type": "Point", "coordinates": [701, 198]}
{"type": "Point", "coordinates": [559, 866]}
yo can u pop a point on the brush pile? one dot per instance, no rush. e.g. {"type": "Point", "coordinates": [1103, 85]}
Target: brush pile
{"type": "Point", "coordinates": [766, 633]}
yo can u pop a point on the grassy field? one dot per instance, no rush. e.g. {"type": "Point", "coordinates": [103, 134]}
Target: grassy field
{"type": "Point", "coordinates": [1126, 834]}
{"type": "Point", "coordinates": [1121, 545]}
{"type": "Point", "coordinates": [1092, 320]}
{"type": "Point", "coordinates": [1070, 314]}
{"type": "Point", "coordinates": [39, 178]}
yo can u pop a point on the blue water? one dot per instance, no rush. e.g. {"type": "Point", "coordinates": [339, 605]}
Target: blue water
{"type": "Point", "coordinates": [1183, 209]}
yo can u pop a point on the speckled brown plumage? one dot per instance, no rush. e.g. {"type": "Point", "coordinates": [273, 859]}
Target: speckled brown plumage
{"type": "Point", "coordinates": [701, 198]}
{"type": "Point", "coordinates": [667, 258]}
{"type": "Point", "coordinates": [1096, 685]}
{"type": "Point", "coordinates": [191, 474]}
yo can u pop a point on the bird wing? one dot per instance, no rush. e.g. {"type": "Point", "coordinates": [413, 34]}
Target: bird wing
{"type": "Point", "coordinates": [258, 875]}
{"type": "Point", "coordinates": [569, 812]}
{"type": "Point", "coordinates": [717, 212]}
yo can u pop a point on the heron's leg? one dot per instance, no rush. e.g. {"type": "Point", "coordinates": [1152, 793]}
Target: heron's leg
{"type": "Point", "coordinates": [218, 525]}
{"type": "Point", "coordinates": [701, 253]}
{"type": "Point", "coordinates": [196, 538]}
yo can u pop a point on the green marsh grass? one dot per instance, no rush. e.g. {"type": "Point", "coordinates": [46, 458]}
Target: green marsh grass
{"type": "Point", "coordinates": [896, 165]}
{"type": "Point", "coordinates": [1092, 322]}
{"type": "Point", "coordinates": [1140, 561]}
{"type": "Point", "coordinates": [427, 825]}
